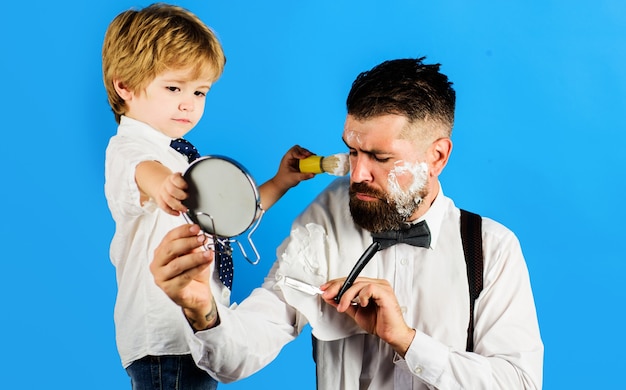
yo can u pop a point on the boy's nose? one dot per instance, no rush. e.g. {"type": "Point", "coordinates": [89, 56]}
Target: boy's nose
{"type": "Point", "coordinates": [186, 106]}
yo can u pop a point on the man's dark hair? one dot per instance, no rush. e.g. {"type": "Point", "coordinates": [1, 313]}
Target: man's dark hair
{"type": "Point", "coordinates": [406, 87]}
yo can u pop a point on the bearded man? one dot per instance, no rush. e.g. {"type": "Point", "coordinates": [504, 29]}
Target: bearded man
{"type": "Point", "coordinates": [403, 323]}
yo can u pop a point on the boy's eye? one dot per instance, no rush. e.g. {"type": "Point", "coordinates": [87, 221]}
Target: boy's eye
{"type": "Point", "coordinates": [173, 89]}
{"type": "Point", "coordinates": [200, 93]}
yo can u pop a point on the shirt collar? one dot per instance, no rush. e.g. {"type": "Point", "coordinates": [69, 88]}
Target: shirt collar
{"type": "Point", "coordinates": [434, 216]}
{"type": "Point", "coordinates": [133, 128]}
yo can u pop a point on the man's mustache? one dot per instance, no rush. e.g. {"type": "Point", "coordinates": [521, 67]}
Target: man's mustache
{"type": "Point", "coordinates": [364, 188]}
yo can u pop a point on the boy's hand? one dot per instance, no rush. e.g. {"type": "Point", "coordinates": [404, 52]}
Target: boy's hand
{"type": "Point", "coordinates": [288, 176]}
{"type": "Point", "coordinates": [171, 194]}
{"type": "Point", "coordinates": [156, 182]}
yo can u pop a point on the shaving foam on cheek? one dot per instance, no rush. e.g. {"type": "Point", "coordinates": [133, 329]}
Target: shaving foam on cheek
{"type": "Point", "coordinates": [404, 199]}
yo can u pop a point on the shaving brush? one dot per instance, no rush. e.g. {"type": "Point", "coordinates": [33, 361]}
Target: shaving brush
{"type": "Point", "coordinates": [337, 164]}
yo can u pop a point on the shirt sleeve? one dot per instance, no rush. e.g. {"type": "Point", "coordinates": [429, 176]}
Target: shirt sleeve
{"type": "Point", "coordinates": [248, 337]}
{"type": "Point", "coordinates": [508, 349]}
{"type": "Point", "coordinates": [122, 157]}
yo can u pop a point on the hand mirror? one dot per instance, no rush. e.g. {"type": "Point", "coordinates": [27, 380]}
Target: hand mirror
{"type": "Point", "coordinates": [223, 200]}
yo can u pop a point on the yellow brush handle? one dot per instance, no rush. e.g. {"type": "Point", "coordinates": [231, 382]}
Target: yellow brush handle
{"type": "Point", "coordinates": [311, 164]}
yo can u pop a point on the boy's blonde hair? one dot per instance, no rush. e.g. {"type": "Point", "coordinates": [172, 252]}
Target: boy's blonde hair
{"type": "Point", "coordinates": [141, 44]}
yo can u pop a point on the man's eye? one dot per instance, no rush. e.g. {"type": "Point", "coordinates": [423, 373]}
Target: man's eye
{"type": "Point", "coordinates": [381, 159]}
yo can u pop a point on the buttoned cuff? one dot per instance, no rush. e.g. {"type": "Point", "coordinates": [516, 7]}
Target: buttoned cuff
{"type": "Point", "coordinates": [426, 358]}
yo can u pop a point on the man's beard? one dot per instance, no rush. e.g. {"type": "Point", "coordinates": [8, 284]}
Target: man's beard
{"type": "Point", "coordinates": [383, 214]}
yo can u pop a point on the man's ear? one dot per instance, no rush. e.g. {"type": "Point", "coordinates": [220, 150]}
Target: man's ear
{"type": "Point", "coordinates": [121, 90]}
{"type": "Point", "coordinates": [439, 153]}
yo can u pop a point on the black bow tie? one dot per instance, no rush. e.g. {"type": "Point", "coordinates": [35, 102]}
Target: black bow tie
{"type": "Point", "coordinates": [416, 235]}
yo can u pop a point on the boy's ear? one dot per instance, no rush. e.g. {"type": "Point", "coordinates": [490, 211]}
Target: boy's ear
{"type": "Point", "coordinates": [121, 90]}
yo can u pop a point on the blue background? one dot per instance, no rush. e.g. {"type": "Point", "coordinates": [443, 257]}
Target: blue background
{"type": "Point", "coordinates": [539, 139]}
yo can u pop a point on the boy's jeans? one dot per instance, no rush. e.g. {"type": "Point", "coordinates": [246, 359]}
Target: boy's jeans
{"type": "Point", "coordinates": [169, 373]}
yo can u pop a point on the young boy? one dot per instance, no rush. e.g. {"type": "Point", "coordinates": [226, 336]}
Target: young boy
{"type": "Point", "coordinates": [158, 65]}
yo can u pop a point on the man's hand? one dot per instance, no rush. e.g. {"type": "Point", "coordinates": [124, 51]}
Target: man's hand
{"type": "Point", "coordinates": [181, 269]}
{"type": "Point", "coordinates": [372, 304]}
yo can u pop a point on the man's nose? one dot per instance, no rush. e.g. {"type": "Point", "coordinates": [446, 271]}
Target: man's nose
{"type": "Point", "coordinates": [360, 170]}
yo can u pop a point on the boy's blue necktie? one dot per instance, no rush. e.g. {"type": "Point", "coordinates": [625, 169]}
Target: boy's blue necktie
{"type": "Point", "coordinates": [223, 250]}
{"type": "Point", "coordinates": [185, 147]}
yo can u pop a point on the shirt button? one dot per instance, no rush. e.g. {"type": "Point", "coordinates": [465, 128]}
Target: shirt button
{"type": "Point", "coordinates": [403, 309]}
{"type": "Point", "coordinates": [417, 370]}
{"type": "Point", "coordinates": [403, 261]}
{"type": "Point", "coordinates": [226, 293]}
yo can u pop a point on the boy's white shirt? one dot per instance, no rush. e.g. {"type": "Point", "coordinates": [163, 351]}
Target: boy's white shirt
{"type": "Point", "coordinates": [147, 322]}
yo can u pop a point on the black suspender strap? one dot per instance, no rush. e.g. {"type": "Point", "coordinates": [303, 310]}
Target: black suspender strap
{"type": "Point", "coordinates": [471, 235]}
